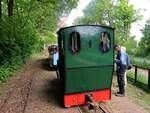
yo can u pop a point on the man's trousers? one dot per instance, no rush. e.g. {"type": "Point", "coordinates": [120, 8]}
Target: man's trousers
{"type": "Point", "coordinates": [120, 78]}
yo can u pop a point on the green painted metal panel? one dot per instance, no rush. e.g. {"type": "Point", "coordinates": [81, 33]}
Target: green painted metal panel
{"type": "Point", "coordinates": [88, 79]}
{"type": "Point", "coordinates": [87, 56]}
{"type": "Point", "coordinates": [90, 69]}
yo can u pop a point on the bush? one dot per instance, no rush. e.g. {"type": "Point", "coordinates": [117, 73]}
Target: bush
{"type": "Point", "coordinates": [16, 45]}
{"type": "Point", "coordinates": [140, 61]}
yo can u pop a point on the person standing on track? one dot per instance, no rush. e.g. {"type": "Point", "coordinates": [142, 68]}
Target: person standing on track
{"type": "Point", "coordinates": [125, 75]}
{"type": "Point", "coordinates": [122, 61]}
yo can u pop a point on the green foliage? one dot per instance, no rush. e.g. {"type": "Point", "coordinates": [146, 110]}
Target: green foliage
{"type": "Point", "coordinates": [105, 12]}
{"type": "Point", "coordinates": [125, 15]}
{"type": "Point", "coordinates": [140, 61]}
{"type": "Point", "coordinates": [89, 14]}
{"type": "Point", "coordinates": [144, 45]}
{"type": "Point", "coordinates": [15, 41]}
{"type": "Point", "coordinates": [130, 45]}
{"type": "Point", "coordinates": [98, 12]}
{"type": "Point", "coordinates": [32, 24]}
{"type": "Point", "coordinates": [7, 69]}
{"type": "Point", "coordinates": [118, 14]}
{"type": "Point", "coordinates": [16, 45]}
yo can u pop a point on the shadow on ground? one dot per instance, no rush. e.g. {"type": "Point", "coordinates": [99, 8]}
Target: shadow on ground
{"type": "Point", "coordinates": [54, 92]}
{"type": "Point", "coordinates": [53, 88]}
{"type": "Point", "coordinates": [45, 65]}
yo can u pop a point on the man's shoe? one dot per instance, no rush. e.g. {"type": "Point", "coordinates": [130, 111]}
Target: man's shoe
{"type": "Point", "coordinates": [120, 94]}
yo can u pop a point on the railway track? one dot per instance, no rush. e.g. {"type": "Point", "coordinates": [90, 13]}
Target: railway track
{"type": "Point", "coordinates": [102, 108]}
{"type": "Point", "coordinates": [17, 97]}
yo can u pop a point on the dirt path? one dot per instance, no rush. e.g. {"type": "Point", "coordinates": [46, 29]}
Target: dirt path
{"type": "Point", "coordinates": [125, 105]}
{"type": "Point", "coordinates": [35, 89]}
{"type": "Point", "coordinates": [32, 90]}
{"type": "Point", "coordinates": [14, 94]}
{"type": "Point", "coordinates": [45, 96]}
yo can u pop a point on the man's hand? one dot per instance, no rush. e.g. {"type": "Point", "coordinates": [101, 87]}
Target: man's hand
{"type": "Point", "coordinates": [117, 61]}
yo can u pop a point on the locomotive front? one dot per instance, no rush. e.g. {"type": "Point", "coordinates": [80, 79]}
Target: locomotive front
{"type": "Point", "coordinates": [86, 63]}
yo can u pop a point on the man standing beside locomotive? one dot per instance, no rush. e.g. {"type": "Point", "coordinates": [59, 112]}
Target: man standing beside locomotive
{"type": "Point", "coordinates": [122, 61]}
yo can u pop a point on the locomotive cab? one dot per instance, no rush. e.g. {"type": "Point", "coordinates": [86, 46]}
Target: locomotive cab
{"type": "Point", "coordinates": [86, 63]}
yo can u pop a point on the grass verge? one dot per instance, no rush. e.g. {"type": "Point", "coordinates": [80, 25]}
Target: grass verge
{"type": "Point", "coordinates": [140, 78]}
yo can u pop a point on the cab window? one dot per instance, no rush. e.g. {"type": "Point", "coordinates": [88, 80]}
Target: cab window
{"type": "Point", "coordinates": [74, 42]}
{"type": "Point", "coordinates": [104, 42]}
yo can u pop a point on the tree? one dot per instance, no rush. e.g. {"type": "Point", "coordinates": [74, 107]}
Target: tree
{"type": "Point", "coordinates": [119, 15]}
{"type": "Point", "coordinates": [131, 45]}
{"type": "Point", "coordinates": [98, 12]}
{"type": "Point", "coordinates": [90, 9]}
{"type": "Point", "coordinates": [105, 12]}
{"type": "Point", "coordinates": [10, 4]}
{"type": "Point", "coordinates": [145, 41]}
{"type": "Point", "coordinates": [0, 9]}
{"type": "Point", "coordinates": [25, 26]}
{"type": "Point", "coordinates": [125, 15]}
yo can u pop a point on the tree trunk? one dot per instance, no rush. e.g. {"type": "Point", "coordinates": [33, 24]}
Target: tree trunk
{"type": "Point", "coordinates": [0, 9]}
{"type": "Point", "coordinates": [10, 4]}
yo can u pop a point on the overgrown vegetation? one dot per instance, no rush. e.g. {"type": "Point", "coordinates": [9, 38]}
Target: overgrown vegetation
{"type": "Point", "coordinates": [141, 54]}
{"type": "Point", "coordinates": [25, 25]}
{"type": "Point", "coordinates": [144, 45]}
{"type": "Point", "coordinates": [140, 78]}
{"type": "Point", "coordinates": [140, 61]}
